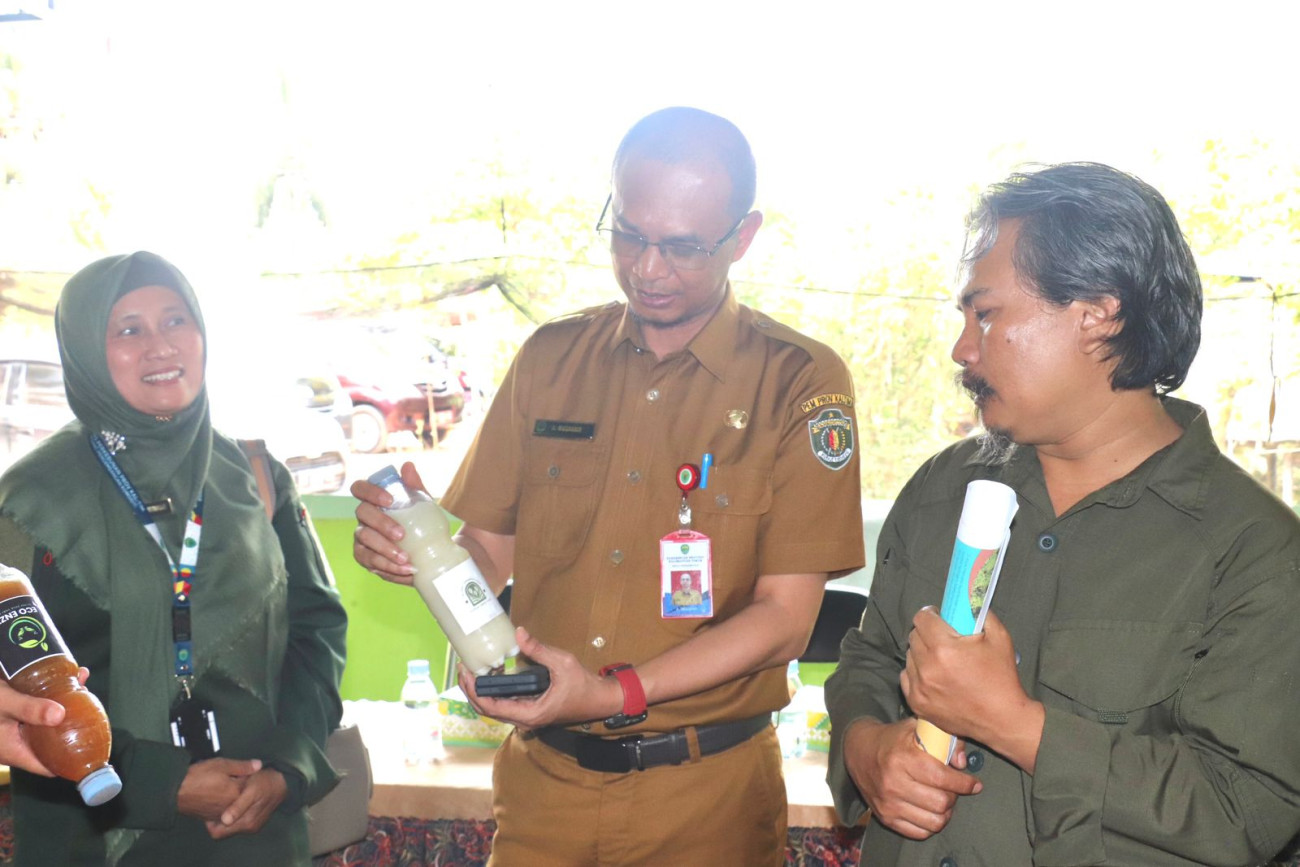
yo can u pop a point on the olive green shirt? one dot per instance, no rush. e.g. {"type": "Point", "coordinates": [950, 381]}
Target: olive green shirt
{"type": "Point", "coordinates": [53, 827]}
{"type": "Point", "coordinates": [1156, 620]}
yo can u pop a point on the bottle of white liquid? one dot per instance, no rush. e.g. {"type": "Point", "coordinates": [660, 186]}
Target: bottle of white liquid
{"type": "Point", "coordinates": [792, 720]}
{"type": "Point", "coordinates": [421, 729]}
{"type": "Point", "coordinates": [471, 617]}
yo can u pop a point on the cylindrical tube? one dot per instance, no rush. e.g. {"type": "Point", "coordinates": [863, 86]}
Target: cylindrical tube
{"type": "Point", "coordinates": [982, 532]}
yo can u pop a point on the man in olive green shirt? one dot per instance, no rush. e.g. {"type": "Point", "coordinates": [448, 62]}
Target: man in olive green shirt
{"type": "Point", "coordinates": [1132, 700]}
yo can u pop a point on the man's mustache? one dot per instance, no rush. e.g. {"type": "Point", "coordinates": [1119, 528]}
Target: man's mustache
{"type": "Point", "coordinates": [976, 386]}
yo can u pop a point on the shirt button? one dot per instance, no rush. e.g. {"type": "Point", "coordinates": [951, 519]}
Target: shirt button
{"type": "Point", "coordinates": [652, 395]}
{"type": "Point", "coordinates": [974, 761]}
{"type": "Point", "coordinates": [634, 477]}
{"type": "Point", "coordinates": [722, 500]}
{"type": "Point", "coordinates": [552, 471]}
{"type": "Point", "coordinates": [1047, 543]}
{"type": "Point", "coordinates": [598, 642]}
{"type": "Point", "coordinates": [616, 556]}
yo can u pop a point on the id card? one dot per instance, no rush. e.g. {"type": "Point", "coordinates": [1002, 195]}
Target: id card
{"type": "Point", "coordinates": [686, 575]}
{"type": "Point", "coordinates": [194, 727]}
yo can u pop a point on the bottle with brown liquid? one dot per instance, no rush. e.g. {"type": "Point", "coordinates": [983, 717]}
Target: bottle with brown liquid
{"type": "Point", "coordinates": [35, 661]}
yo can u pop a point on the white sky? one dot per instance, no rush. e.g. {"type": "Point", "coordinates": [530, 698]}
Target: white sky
{"type": "Point", "coordinates": [845, 103]}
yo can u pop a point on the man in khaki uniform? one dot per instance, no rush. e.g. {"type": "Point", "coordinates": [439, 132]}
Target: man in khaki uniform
{"type": "Point", "coordinates": [1132, 700]}
{"type": "Point", "coordinates": [572, 487]}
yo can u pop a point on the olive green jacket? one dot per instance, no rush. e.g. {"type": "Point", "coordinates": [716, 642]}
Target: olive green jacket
{"type": "Point", "coordinates": [52, 826]}
{"type": "Point", "coordinates": [1157, 622]}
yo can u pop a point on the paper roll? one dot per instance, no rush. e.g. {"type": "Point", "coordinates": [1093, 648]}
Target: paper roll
{"type": "Point", "coordinates": [982, 533]}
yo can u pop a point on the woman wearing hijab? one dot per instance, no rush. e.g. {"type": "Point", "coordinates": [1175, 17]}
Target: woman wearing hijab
{"type": "Point", "coordinates": [148, 542]}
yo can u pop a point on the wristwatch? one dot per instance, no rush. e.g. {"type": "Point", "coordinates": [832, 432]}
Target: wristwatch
{"type": "Point", "coordinates": [634, 706]}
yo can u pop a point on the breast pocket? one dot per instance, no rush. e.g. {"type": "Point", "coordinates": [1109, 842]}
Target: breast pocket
{"type": "Point", "coordinates": [1112, 670]}
{"type": "Point", "coordinates": [558, 501]}
{"type": "Point", "coordinates": [735, 497]}
{"type": "Point", "coordinates": [729, 512]}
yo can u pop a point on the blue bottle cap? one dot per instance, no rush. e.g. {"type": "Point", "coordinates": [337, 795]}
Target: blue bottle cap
{"type": "Point", "coordinates": [99, 787]}
{"type": "Point", "coordinates": [385, 477]}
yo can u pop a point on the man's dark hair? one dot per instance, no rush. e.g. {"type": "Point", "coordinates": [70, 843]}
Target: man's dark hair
{"type": "Point", "coordinates": [1086, 231]}
{"type": "Point", "coordinates": [682, 134]}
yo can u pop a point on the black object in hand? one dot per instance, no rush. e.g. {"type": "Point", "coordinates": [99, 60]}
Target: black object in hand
{"type": "Point", "coordinates": [525, 680]}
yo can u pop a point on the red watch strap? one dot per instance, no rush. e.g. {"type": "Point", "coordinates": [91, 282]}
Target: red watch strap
{"type": "Point", "coordinates": [634, 703]}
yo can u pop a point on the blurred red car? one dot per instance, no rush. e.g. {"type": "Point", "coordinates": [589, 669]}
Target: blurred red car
{"type": "Point", "coordinates": [382, 409]}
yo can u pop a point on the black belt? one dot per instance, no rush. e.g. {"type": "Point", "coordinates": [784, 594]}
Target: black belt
{"type": "Point", "coordinates": [638, 752]}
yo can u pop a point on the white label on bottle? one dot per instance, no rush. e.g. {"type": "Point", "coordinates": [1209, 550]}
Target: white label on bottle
{"type": "Point", "coordinates": [468, 596]}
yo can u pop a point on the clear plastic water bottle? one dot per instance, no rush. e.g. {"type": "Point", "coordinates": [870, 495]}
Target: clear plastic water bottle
{"type": "Point", "coordinates": [422, 729]}
{"type": "Point", "coordinates": [792, 720]}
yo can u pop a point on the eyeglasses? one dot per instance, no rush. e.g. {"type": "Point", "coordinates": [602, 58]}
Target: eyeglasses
{"type": "Point", "coordinates": [678, 254]}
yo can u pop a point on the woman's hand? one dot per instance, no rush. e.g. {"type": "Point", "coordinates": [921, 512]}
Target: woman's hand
{"type": "Point", "coordinates": [211, 786]}
{"type": "Point", "coordinates": [263, 792]}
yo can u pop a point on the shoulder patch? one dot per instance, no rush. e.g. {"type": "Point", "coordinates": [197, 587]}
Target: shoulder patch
{"type": "Point", "coordinates": [823, 399]}
{"type": "Point", "coordinates": [831, 432]}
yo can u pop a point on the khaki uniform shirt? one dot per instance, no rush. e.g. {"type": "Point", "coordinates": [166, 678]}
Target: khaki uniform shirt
{"type": "Point", "coordinates": [1157, 622]}
{"type": "Point", "coordinates": [578, 459]}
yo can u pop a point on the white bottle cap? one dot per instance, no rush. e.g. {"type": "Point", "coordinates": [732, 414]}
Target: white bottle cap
{"type": "Point", "coordinates": [99, 787]}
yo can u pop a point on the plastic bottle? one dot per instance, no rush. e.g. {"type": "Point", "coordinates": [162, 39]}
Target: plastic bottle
{"type": "Point", "coordinates": [422, 729]}
{"type": "Point", "coordinates": [792, 720]}
{"type": "Point", "coordinates": [452, 586]}
{"type": "Point", "coordinates": [35, 661]}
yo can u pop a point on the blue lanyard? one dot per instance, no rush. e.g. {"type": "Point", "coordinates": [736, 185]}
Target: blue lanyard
{"type": "Point", "coordinates": [182, 573]}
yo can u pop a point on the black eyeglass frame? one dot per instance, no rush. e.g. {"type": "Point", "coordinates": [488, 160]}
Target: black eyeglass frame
{"type": "Point", "coordinates": [646, 242]}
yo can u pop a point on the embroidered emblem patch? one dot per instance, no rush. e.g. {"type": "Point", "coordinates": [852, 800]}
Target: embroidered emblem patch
{"type": "Point", "coordinates": [822, 399]}
{"type": "Point", "coordinates": [831, 433]}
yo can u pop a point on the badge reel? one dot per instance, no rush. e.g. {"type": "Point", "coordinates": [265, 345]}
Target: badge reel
{"type": "Point", "coordinates": [194, 726]}
{"type": "Point", "coordinates": [686, 559]}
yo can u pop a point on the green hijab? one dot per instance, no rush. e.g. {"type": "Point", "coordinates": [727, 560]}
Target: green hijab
{"type": "Point", "coordinates": [61, 496]}
{"type": "Point", "coordinates": [161, 458]}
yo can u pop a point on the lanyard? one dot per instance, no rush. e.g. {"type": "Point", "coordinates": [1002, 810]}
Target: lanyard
{"type": "Point", "coordinates": [182, 573]}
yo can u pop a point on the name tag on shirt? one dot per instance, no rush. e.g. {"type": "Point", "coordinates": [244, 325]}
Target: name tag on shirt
{"type": "Point", "coordinates": [564, 430]}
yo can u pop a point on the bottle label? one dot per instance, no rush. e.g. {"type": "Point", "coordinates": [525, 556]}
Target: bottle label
{"type": "Point", "coordinates": [27, 635]}
{"type": "Point", "coordinates": [468, 596]}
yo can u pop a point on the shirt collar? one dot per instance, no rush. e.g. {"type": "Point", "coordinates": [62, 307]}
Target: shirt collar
{"type": "Point", "coordinates": [713, 347]}
{"type": "Point", "coordinates": [1179, 473]}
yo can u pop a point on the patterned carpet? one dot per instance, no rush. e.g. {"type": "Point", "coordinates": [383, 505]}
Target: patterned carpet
{"type": "Point", "coordinates": [446, 843]}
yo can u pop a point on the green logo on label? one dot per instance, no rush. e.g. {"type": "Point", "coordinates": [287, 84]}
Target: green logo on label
{"type": "Point", "coordinates": [28, 633]}
{"type": "Point", "coordinates": [686, 549]}
{"type": "Point", "coordinates": [474, 594]}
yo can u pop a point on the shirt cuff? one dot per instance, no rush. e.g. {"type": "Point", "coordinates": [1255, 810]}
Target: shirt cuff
{"type": "Point", "coordinates": [1069, 790]}
{"type": "Point", "coordinates": [308, 775]}
{"type": "Point", "coordinates": [152, 773]}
